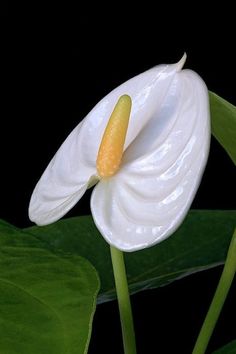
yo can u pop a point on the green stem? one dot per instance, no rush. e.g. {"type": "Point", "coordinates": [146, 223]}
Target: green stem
{"type": "Point", "coordinates": [123, 301]}
{"type": "Point", "coordinates": [218, 299]}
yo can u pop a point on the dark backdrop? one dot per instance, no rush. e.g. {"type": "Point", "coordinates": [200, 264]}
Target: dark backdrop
{"type": "Point", "coordinates": [52, 74]}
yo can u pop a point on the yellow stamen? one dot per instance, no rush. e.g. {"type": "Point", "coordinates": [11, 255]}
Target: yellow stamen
{"type": "Point", "coordinates": [113, 140]}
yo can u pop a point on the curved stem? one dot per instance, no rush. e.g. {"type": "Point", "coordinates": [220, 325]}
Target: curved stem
{"type": "Point", "coordinates": [123, 301]}
{"type": "Point", "coordinates": [218, 299]}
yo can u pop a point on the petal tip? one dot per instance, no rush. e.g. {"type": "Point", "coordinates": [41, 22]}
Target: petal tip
{"type": "Point", "coordinates": [181, 62]}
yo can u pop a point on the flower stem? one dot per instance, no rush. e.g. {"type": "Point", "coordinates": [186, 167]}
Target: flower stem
{"type": "Point", "coordinates": [218, 299]}
{"type": "Point", "coordinates": [123, 301]}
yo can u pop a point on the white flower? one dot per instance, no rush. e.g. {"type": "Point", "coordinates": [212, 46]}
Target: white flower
{"type": "Point", "coordinates": [165, 152]}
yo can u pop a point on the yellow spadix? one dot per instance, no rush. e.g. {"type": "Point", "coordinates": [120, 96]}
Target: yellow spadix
{"type": "Point", "coordinates": [113, 140]}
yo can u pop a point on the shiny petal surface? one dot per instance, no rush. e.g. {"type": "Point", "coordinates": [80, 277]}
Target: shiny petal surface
{"type": "Point", "coordinates": [148, 198]}
{"type": "Point", "coordinates": [63, 183]}
{"type": "Point", "coordinates": [73, 167]}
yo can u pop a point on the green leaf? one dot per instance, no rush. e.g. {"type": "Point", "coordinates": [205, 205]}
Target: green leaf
{"type": "Point", "coordinates": [47, 301]}
{"type": "Point", "coordinates": [200, 243]}
{"type": "Point", "coordinates": [230, 348]}
{"type": "Point", "coordinates": [223, 123]}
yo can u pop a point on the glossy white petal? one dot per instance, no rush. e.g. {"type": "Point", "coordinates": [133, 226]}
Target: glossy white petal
{"type": "Point", "coordinates": [63, 183]}
{"type": "Point", "coordinates": [149, 197]}
{"type": "Point", "coordinates": [67, 176]}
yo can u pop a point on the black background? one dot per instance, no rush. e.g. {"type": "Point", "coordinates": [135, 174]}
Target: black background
{"type": "Point", "coordinates": [52, 73]}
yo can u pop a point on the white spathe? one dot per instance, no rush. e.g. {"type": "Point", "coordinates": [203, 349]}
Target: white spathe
{"type": "Point", "coordinates": [166, 150]}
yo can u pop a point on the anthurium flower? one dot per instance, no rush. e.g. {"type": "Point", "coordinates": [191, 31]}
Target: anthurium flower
{"type": "Point", "coordinates": [146, 197]}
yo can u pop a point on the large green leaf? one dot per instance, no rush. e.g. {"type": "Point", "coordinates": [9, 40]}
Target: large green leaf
{"type": "Point", "coordinates": [47, 301]}
{"type": "Point", "coordinates": [223, 123]}
{"type": "Point", "coordinates": [230, 348]}
{"type": "Point", "coordinates": [200, 243]}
